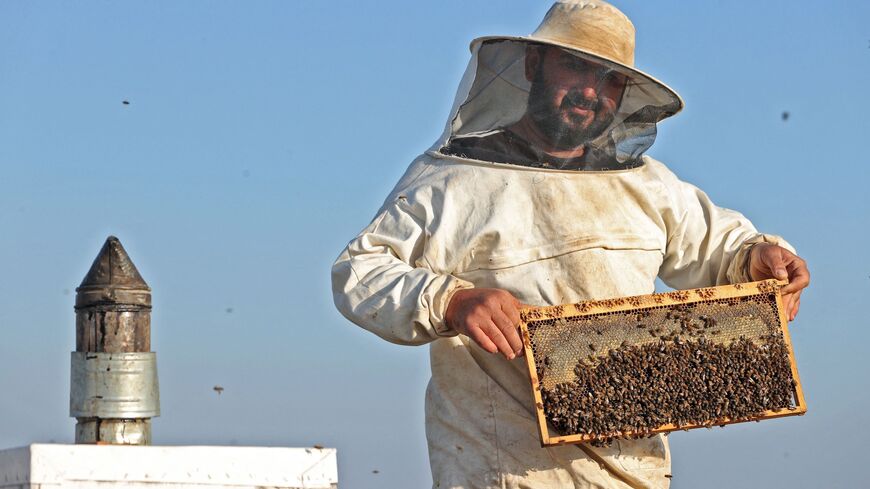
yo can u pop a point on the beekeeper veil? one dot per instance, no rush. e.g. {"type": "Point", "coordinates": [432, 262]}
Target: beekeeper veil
{"type": "Point", "coordinates": [566, 97]}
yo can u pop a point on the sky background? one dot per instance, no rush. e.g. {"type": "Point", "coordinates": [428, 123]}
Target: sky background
{"type": "Point", "coordinates": [261, 136]}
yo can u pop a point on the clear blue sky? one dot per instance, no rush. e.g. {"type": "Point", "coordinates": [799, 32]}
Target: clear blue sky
{"type": "Point", "coordinates": [261, 136]}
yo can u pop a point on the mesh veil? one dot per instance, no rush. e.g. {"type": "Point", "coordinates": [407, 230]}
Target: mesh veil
{"type": "Point", "coordinates": [498, 98]}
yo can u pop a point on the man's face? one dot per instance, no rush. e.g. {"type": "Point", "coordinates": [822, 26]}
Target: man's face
{"type": "Point", "coordinates": [571, 100]}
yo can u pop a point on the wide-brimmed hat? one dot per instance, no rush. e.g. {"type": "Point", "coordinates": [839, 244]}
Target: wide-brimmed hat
{"type": "Point", "coordinates": [598, 31]}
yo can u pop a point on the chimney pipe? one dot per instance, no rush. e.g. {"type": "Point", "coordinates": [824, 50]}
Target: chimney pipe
{"type": "Point", "coordinates": [113, 379]}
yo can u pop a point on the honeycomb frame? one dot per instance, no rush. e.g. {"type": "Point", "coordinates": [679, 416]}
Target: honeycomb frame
{"type": "Point", "coordinates": [533, 316]}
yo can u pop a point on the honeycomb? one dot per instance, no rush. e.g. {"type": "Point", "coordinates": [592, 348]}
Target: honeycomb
{"type": "Point", "coordinates": [635, 366]}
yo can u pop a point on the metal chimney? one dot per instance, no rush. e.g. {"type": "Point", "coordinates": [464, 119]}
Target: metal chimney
{"type": "Point", "coordinates": [113, 379]}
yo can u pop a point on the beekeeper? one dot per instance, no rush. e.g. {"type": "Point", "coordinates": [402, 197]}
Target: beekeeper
{"type": "Point", "coordinates": [539, 192]}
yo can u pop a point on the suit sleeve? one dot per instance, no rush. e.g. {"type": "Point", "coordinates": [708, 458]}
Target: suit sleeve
{"type": "Point", "coordinates": [381, 283]}
{"type": "Point", "coordinates": [706, 244]}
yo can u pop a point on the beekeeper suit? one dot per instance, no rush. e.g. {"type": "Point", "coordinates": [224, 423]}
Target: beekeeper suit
{"type": "Point", "coordinates": [539, 190]}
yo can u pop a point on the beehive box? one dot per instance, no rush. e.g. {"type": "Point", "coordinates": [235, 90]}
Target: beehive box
{"type": "Point", "coordinates": [58, 466]}
{"type": "Point", "coordinates": [635, 366]}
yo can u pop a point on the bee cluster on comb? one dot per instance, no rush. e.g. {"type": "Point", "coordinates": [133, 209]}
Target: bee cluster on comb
{"type": "Point", "coordinates": [636, 366]}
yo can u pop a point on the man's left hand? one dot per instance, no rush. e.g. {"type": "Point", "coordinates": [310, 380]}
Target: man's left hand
{"type": "Point", "coordinates": [771, 261]}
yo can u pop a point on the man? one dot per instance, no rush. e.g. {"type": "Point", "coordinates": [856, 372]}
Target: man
{"type": "Point", "coordinates": [539, 192]}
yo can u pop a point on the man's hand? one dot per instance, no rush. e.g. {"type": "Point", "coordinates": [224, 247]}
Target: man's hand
{"type": "Point", "coordinates": [489, 317]}
{"type": "Point", "coordinates": [771, 261]}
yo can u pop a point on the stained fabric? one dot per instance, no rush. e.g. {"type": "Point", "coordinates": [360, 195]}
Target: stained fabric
{"type": "Point", "coordinates": [548, 237]}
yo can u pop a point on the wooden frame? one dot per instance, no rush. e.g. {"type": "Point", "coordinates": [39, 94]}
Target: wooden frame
{"type": "Point", "coordinates": [534, 314]}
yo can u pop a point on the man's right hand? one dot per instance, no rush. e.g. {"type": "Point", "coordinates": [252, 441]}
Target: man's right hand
{"type": "Point", "coordinates": [490, 317]}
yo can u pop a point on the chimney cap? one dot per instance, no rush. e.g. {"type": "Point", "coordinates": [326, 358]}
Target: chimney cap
{"type": "Point", "coordinates": [113, 280]}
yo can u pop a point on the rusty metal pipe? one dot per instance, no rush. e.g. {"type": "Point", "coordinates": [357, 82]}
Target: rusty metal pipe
{"type": "Point", "coordinates": [114, 391]}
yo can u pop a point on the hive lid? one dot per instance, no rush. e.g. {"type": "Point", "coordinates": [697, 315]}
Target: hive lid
{"type": "Point", "coordinates": [109, 466]}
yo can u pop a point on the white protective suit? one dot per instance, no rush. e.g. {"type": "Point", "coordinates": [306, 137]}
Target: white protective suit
{"type": "Point", "coordinates": [548, 236]}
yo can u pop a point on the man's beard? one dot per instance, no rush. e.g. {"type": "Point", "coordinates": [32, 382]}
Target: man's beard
{"type": "Point", "coordinates": [564, 134]}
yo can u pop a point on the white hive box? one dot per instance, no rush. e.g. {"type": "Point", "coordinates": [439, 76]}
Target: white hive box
{"type": "Point", "coordinates": [47, 466]}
